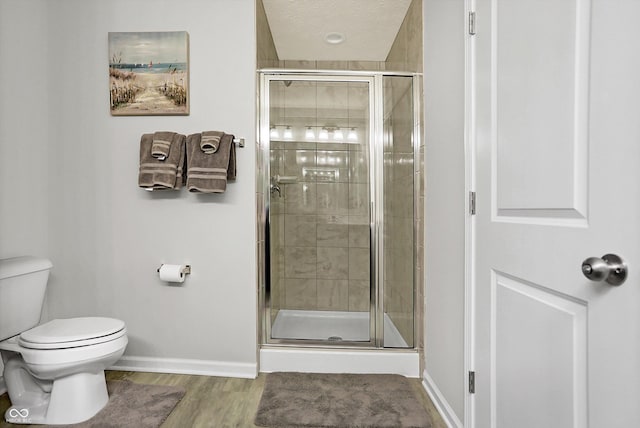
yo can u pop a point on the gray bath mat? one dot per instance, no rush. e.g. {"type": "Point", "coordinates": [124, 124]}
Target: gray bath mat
{"type": "Point", "coordinates": [339, 401]}
{"type": "Point", "coordinates": [134, 405]}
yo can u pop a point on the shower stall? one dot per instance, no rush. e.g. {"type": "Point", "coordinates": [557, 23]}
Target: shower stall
{"type": "Point", "coordinates": [337, 199]}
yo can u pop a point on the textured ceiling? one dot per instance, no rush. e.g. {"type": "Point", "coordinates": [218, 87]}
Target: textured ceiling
{"type": "Point", "coordinates": [369, 26]}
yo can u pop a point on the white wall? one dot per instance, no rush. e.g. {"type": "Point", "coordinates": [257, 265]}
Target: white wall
{"type": "Point", "coordinates": [24, 137]}
{"type": "Point", "coordinates": [107, 236]}
{"type": "Point", "coordinates": [445, 199]}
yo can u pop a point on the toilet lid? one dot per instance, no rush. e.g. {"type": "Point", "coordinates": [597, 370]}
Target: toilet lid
{"type": "Point", "coordinates": [62, 333]}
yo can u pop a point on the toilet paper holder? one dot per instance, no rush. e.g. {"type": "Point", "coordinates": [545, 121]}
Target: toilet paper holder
{"type": "Point", "coordinates": [186, 270]}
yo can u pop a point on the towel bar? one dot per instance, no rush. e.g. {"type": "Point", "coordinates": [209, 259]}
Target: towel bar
{"type": "Point", "coordinates": [186, 270]}
{"type": "Point", "coordinates": [239, 141]}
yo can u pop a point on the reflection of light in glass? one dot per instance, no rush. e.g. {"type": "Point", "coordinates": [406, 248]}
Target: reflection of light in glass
{"type": "Point", "coordinates": [337, 135]}
{"type": "Point", "coordinates": [309, 134]}
{"type": "Point", "coordinates": [274, 132]}
{"type": "Point", "coordinates": [324, 134]}
{"type": "Point", "coordinates": [288, 133]}
{"type": "Point", "coordinates": [352, 136]}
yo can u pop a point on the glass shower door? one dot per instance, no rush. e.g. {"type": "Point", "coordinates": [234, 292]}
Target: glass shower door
{"type": "Point", "coordinates": [398, 244]}
{"type": "Point", "coordinates": [319, 236]}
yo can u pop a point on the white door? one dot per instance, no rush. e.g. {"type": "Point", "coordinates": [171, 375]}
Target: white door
{"type": "Point", "coordinates": [557, 105]}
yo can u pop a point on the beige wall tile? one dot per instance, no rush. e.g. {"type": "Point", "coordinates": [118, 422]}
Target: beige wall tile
{"type": "Point", "coordinates": [406, 51]}
{"type": "Point", "coordinates": [358, 101]}
{"type": "Point", "coordinates": [266, 52]}
{"type": "Point", "coordinates": [332, 198]}
{"type": "Point", "coordinates": [332, 65]}
{"type": "Point", "coordinates": [333, 101]}
{"type": "Point", "coordinates": [333, 263]}
{"type": "Point", "coordinates": [358, 166]}
{"type": "Point", "coordinates": [300, 262]}
{"type": "Point", "coordinates": [332, 235]}
{"type": "Point", "coordinates": [359, 266]}
{"type": "Point", "coordinates": [296, 160]}
{"type": "Point", "coordinates": [359, 295]}
{"type": "Point", "coordinates": [300, 198]}
{"type": "Point", "coordinates": [359, 235]}
{"type": "Point", "coordinates": [333, 294]}
{"type": "Point", "coordinates": [300, 230]}
{"type": "Point", "coordinates": [333, 165]}
{"type": "Point", "coordinates": [358, 199]}
{"type": "Point", "coordinates": [365, 65]}
{"type": "Point", "coordinates": [300, 293]}
{"type": "Point", "coordinates": [300, 64]}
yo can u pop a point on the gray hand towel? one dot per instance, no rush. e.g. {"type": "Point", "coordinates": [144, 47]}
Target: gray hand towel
{"type": "Point", "coordinates": [161, 142]}
{"type": "Point", "coordinates": [210, 141]}
{"type": "Point", "coordinates": [208, 173]}
{"type": "Point", "coordinates": [155, 174]}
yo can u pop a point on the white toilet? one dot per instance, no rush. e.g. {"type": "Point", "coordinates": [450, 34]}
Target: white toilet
{"type": "Point", "coordinates": [54, 372]}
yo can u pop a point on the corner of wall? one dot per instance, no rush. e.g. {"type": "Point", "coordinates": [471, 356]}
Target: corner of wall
{"type": "Point", "coordinates": [440, 402]}
{"type": "Point", "coordinates": [267, 55]}
{"type": "Point", "coordinates": [406, 52]}
{"type": "Point", "coordinates": [444, 132]}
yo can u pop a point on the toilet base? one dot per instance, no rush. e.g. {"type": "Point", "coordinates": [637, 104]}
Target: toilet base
{"type": "Point", "coordinates": [73, 399]}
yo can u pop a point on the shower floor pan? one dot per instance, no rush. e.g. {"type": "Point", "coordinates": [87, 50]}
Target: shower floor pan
{"type": "Point", "coordinates": [334, 326]}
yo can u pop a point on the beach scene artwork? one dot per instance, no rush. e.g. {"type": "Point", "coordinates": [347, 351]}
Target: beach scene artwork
{"type": "Point", "coordinates": [149, 73]}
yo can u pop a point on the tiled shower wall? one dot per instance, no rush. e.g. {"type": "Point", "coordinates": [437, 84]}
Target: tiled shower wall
{"type": "Point", "coordinates": [405, 55]}
{"type": "Point", "coordinates": [319, 223]}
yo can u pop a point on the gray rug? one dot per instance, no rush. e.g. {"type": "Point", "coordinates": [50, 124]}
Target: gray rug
{"type": "Point", "coordinates": [134, 405]}
{"type": "Point", "coordinates": [339, 401]}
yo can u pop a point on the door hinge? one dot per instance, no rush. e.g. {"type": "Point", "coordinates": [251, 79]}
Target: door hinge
{"type": "Point", "coordinates": [472, 382]}
{"type": "Point", "coordinates": [472, 203]}
{"type": "Point", "coordinates": [472, 23]}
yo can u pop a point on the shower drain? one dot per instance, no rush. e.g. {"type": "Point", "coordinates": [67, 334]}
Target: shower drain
{"type": "Point", "coordinates": [334, 338]}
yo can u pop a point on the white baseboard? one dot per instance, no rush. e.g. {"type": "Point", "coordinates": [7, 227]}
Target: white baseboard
{"type": "Point", "coordinates": [185, 366]}
{"type": "Point", "coordinates": [441, 404]}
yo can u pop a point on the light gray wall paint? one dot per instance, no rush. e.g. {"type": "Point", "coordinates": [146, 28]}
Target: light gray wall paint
{"type": "Point", "coordinates": [24, 126]}
{"type": "Point", "coordinates": [106, 236]}
{"type": "Point", "coordinates": [445, 198]}
{"type": "Point", "coordinates": [24, 135]}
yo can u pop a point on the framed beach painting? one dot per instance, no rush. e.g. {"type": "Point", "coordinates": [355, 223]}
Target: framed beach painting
{"type": "Point", "coordinates": [149, 73]}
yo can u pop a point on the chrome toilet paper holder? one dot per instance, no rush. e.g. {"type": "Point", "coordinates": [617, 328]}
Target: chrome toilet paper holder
{"type": "Point", "coordinates": [186, 270]}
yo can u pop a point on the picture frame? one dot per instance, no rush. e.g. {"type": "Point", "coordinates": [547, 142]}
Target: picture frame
{"type": "Point", "coordinates": [149, 73]}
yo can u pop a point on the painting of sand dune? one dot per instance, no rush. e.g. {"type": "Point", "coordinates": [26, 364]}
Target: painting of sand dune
{"type": "Point", "coordinates": [149, 73]}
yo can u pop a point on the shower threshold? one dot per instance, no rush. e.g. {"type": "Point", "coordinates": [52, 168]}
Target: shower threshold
{"type": "Point", "coordinates": [332, 326]}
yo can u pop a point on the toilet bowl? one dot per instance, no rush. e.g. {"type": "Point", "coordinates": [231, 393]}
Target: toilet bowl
{"type": "Point", "coordinates": [55, 372]}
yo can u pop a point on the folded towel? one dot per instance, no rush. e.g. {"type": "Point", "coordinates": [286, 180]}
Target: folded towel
{"type": "Point", "coordinates": [208, 173]}
{"type": "Point", "coordinates": [155, 174]}
{"type": "Point", "coordinates": [210, 141]}
{"type": "Point", "coordinates": [181, 145]}
{"type": "Point", "coordinates": [161, 143]}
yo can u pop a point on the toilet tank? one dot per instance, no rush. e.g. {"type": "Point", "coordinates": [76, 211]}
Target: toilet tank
{"type": "Point", "coordinates": [23, 281]}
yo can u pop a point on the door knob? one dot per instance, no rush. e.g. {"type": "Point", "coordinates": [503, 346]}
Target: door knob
{"type": "Point", "coordinates": [610, 268]}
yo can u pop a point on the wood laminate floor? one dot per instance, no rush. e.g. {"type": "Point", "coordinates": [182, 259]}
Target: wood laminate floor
{"type": "Point", "coordinates": [216, 401]}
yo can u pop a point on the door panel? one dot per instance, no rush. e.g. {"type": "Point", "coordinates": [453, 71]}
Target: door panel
{"type": "Point", "coordinates": [319, 234]}
{"type": "Point", "coordinates": [557, 181]}
{"type": "Point", "coordinates": [540, 94]}
{"type": "Point", "coordinates": [539, 344]}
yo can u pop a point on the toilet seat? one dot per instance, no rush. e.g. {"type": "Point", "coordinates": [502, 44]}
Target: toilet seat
{"type": "Point", "coordinates": [72, 333]}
